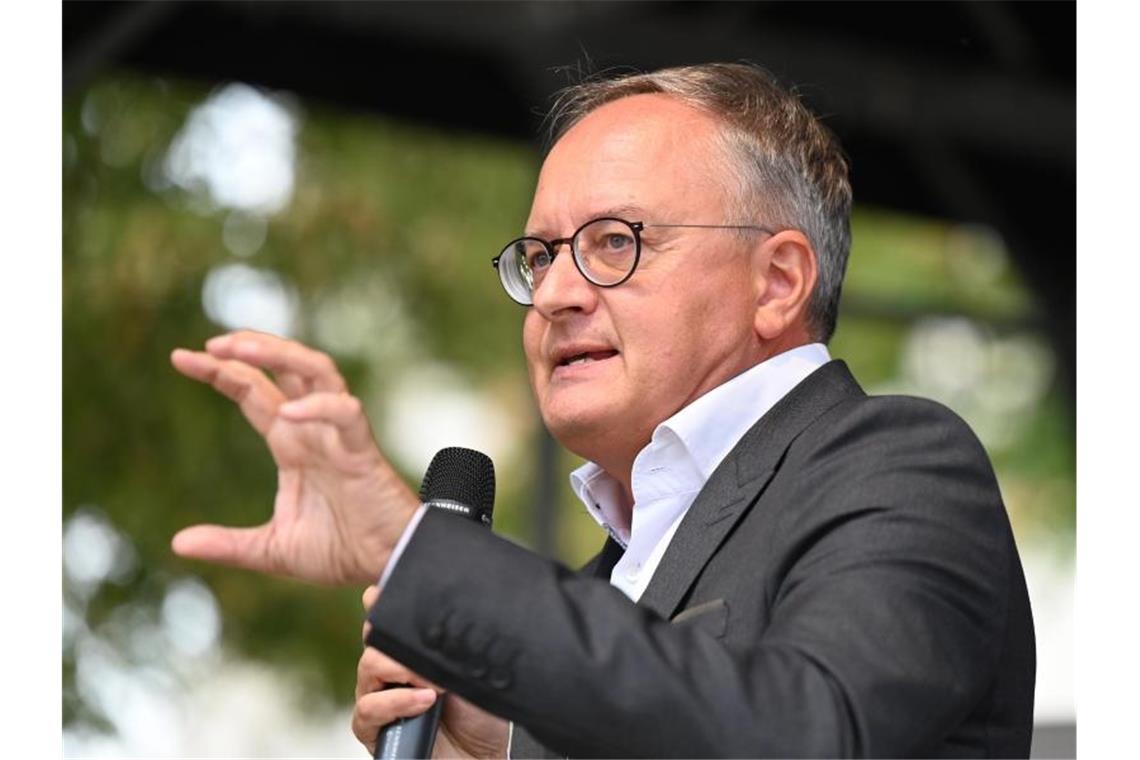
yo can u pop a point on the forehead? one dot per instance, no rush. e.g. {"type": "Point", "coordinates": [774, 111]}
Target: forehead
{"type": "Point", "coordinates": [649, 152]}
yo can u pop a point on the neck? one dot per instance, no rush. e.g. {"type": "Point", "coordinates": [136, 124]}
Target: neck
{"type": "Point", "coordinates": [617, 457]}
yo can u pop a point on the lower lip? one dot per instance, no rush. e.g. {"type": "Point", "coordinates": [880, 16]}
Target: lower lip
{"type": "Point", "coordinates": [581, 370]}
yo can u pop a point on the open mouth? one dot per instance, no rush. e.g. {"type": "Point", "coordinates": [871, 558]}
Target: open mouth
{"type": "Point", "coordinates": [586, 358]}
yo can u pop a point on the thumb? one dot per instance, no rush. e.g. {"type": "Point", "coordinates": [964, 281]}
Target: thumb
{"type": "Point", "coordinates": [238, 547]}
{"type": "Point", "coordinates": [371, 594]}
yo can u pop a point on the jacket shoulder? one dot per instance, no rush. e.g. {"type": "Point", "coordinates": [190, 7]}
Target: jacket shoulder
{"type": "Point", "coordinates": [896, 420]}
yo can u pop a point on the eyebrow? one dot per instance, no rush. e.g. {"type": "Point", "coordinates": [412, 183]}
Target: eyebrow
{"type": "Point", "coordinates": [627, 211]}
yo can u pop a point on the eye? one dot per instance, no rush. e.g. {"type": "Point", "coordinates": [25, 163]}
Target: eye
{"type": "Point", "coordinates": [532, 254]}
{"type": "Point", "coordinates": [616, 241]}
{"type": "Point", "coordinates": [538, 259]}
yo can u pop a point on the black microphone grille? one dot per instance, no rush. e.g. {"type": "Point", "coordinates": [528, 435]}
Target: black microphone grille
{"type": "Point", "coordinates": [463, 475]}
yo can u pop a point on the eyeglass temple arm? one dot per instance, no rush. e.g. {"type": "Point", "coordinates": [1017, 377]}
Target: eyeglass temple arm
{"type": "Point", "coordinates": [718, 227]}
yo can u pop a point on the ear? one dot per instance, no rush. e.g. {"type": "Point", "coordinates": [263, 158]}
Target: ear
{"type": "Point", "coordinates": [784, 271]}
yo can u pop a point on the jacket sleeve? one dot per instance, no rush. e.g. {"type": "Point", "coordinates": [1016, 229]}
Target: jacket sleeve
{"type": "Point", "coordinates": [881, 635]}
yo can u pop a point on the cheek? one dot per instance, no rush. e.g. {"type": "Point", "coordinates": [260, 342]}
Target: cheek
{"type": "Point", "coordinates": [705, 322]}
{"type": "Point", "coordinates": [533, 328]}
{"type": "Point", "coordinates": [672, 350]}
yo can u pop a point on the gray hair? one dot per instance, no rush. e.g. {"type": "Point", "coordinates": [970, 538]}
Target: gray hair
{"type": "Point", "coordinates": [789, 170]}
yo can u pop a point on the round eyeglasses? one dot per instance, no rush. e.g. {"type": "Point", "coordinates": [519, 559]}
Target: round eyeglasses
{"type": "Point", "coordinates": [605, 250]}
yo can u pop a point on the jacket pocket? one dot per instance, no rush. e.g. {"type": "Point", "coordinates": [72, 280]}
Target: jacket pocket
{"type": "Point", "coordinates": [710, 617]}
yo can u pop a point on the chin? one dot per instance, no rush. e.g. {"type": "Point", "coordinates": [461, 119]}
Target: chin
{"type": "Point", "coordinates": [606, 434]}
{"type": "Point", "coordinates": [579, 426]}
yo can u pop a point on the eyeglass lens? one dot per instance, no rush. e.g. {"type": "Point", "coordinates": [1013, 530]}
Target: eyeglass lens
{"type": "Point", "coordinates": [605, 251]}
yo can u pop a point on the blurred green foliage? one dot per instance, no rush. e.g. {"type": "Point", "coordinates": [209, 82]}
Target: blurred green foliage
{"type": "Point", "coordinates": [155, 452]}
{"type": "Point", "coordinates": [421, 212]}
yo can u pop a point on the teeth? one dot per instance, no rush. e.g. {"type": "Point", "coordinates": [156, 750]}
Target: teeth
{"type": "Point", "coordinates": [579, 360]}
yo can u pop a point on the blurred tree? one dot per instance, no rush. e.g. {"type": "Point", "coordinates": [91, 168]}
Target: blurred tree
{"type": "Point", "coordinates": [417, 212]}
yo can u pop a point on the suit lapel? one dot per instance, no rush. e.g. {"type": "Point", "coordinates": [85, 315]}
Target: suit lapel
{"type": "Point", "coordinates": [737, 483]}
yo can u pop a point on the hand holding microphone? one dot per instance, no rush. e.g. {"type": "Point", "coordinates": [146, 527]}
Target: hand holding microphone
{"type": "Point", "coordinates": [460, 482]}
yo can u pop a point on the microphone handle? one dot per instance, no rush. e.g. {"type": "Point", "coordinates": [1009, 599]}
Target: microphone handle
{"type": "Point", "coordinates": [409, 738]}
{"type": "Point", "coordinates": [412, 738]}
{"type": "Point", "coordinates": [460, 482]}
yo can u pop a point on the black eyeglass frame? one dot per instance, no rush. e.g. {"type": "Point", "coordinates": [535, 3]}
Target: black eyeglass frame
{"type": "Point", "coordinates": [552, 247]}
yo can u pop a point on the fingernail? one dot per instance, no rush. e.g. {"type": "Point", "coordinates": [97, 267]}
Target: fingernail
{"type": "Point", "coordinates": [218, 341]}
{"type": "Point", "coordinates": [290, 407]}
{"type": "Point", "coordinates": [425, 696]}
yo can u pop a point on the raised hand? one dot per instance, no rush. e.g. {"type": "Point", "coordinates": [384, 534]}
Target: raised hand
{"type": "Point", "coordinates": [340, 506]}
{"type": "Point", "coordinates": [464, 731]}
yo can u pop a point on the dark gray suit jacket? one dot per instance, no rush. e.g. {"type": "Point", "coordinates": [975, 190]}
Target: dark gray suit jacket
{"type": "Point", "coordinates": [845, 584]}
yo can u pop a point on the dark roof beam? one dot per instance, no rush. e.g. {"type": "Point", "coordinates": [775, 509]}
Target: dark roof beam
{"type": "Point", "coordinates": [106, 43]}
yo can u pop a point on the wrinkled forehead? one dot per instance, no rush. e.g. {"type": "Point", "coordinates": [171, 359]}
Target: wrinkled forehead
{"type": "Point", "coordinates": [649, 152]}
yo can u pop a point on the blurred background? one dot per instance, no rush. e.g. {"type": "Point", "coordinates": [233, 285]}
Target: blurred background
{"type": "Point", "coordinates": [342, 173]}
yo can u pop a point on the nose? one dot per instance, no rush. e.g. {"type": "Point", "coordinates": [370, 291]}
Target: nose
{"type": "Point", "coordinates": [563, 289]}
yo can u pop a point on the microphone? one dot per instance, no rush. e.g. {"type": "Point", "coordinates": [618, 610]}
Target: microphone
{"type": "Point", "coordinates": [461, 482]}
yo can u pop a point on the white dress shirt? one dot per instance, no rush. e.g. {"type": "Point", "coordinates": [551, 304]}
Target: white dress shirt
{"type": "Point", "coordinates": [683, 452]}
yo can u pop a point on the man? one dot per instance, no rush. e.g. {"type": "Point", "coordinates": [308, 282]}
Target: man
{"type": "Point", "coordinates": [816, 572]}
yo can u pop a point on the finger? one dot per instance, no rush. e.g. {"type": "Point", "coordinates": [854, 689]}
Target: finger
{"type": "Point", "coordinates": [377, 709]}
{"type": "Point", "coordinates": [195, 364]}
{"type": "Point", "coordinates": [292, 384]}
{"type": "Point", "coordinates": [280, 355]}
{"type": "Point", "coordinates": [375, 670]}
{"type": "Point", "coordinates": [371, 594]}
{"type": "Point", "coordinates": [187, 362]}
{"type": "Point", "coordinates": [237, 547]}
{"type": "Point", "coordinates": [253, 392]}
{"type": "Point", "coordinates": [343, 411]}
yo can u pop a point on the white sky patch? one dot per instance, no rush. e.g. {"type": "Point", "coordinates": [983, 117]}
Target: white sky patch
{"type": "Point", "coordinates": [946, 356]}
{"type": "Point", "coordinates": [94, 551]}
{"type": "Point", "coordinates": [239, 147]}
{"type": "Point", "coordinates": [219, 707]}
{"type": "Point", "coordinates": [1052, 595]}
{"type": "Point", "coordinates": [994, 382]}
{"type": "Point", "coordinates": [238, 296]}
{"type": "Point", "coordinates": [431, 407]}
{"type": "Point", "coordinates": [365, 317]}
{"type": "Point", "coordinates": [243, 234]}
{"type": "Point", "coordinates": [190, 617]}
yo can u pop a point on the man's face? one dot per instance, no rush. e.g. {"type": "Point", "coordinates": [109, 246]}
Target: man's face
{"type": "Point", "coordinates": [682, 324]}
